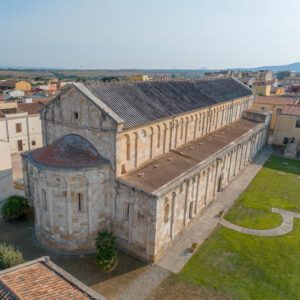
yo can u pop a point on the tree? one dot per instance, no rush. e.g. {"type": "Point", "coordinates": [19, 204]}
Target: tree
{"type": "Point", "coordinates": [107, 257]}
{"type": "Point", "coordinates": [9, 256]}
{"type": "Point", "coordinates": [15, 208]}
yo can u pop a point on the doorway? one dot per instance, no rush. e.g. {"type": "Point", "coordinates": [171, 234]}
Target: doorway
{"type": "Point", "coordinates": [20, 145]}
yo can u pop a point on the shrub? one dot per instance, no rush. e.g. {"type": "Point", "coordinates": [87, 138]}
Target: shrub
{"type": "Point", "coordinates": [194, 246]}
{"type": "Point", "coordinates": [106, 256]}
{"type": "Point", "coordinates": [9, 256]}
{"type": "Point", "coordinates": [15, 208]}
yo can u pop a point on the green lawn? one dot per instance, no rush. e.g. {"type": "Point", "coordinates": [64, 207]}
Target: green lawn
{"type": "Point", "coordinates": [233, 265]}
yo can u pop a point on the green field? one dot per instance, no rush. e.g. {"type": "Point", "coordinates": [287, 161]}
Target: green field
{"type": "Point", "coordinates": [232, 265]}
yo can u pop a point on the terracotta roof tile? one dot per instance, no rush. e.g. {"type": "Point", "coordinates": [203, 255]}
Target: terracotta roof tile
{"type": "Point", "coordinates": [293, 110]}
{"type": "Point", "coordinates": [70, 151]}
{"type": "Point", "coordinates": [30, 108]}
{"type": "Point", "coordinates": [41, 279]}
{"type": "Point", "coordinates": [275, 100]}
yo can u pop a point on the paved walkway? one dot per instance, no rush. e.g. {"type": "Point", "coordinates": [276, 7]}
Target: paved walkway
{"type": "Point", "coordinates": [286, 226]}
{"type": "Point", "coordinates": [142, 286]}
{"type": "Point", "coordinates": [197, 232]}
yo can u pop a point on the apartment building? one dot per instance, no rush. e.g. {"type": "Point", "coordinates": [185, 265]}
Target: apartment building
{"type": "Point", "coordinates": [20, 126]}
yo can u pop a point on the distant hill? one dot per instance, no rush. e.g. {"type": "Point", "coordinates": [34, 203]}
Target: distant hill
{"type": "Point", "coordinates": [291, 67]}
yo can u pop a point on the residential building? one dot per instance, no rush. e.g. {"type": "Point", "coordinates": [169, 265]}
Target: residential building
{"type": "Point", "coordinates": [287, 128]}
{"type": "Point", "coordinates": [140, 159]}
{"type": "Point", "coordinates": [266, 75]}
{"type": "Point", "coordinates": [12, 94]}
{"type": "Point", "coordinates": [138, 78]}
{"type": "Point", "coordinates": [262, 88]}
{"type": "Point", "coordinates": [42, 279]}
{"type": "Point", "coordinates": [20, 126]}
{"type": "Point", "coordinates": [7, 85]}
{"type": "Point", "coordinates": [289, 82]}
{"type": "Point", "coordinates": [278, 91]}
{"type": "Point", "coordinates": [23, 86]}
{"type": "Point", "coordinates": [6, 177]}
{"type": "Point", "coordinates": [273, 104]}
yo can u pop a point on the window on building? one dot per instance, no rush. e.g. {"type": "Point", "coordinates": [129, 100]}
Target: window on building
{"type": "Point", "coordinates": [80, 202]}
{"type": "Point", "coordinates": [44, 200]}
{"type": "Point", "coordinates": [76, 115]}
{"type": "Point", "coordinates": [126, 211]}
{"type": "Point", "coordinates": [33, 143]}
{"type": "Point", "coordinates": [20, 145]}
{"type": "Point", "coordinates": [298, 123]}
{"type": "Point", "coordinates": [18, 127]}
{"type": "Point", "coordinates": [166, 214]}
{"type": "Point", "coordinates": [285, 140]}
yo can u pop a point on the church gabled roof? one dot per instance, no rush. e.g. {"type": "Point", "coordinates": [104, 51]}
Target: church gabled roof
{"type": "Point", "coordinates": [138, 103]}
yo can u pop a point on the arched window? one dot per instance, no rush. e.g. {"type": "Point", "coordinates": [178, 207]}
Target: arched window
{"type": "Point", "coordinates": [76, 115]}
{"type": "Point", "coordinates": [79, 197]}
{"type": "Point", "coordinates": [128, 151]}
{"type": "Point", "coordinates": [44, 200]}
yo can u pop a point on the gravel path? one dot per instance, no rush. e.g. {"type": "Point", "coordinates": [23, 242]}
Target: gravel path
{"type": "Point", "coordinates": [141, 287]}
{"type": "Point", "coordinates": [285, 227]}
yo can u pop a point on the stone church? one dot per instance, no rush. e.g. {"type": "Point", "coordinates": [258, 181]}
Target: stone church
{"type": "Point", "coordinates": [140, 159]}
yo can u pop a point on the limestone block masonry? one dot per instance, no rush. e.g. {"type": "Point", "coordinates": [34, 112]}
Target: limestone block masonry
{"type": "Point", "coordinates": [141, 160]}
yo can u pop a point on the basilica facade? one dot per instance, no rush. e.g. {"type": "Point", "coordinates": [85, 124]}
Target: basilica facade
{"type": "Point", "coordinates": [140, 159]}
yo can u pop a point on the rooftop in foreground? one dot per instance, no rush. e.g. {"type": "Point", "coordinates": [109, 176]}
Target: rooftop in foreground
{"type": "Point", "coordinates": [171, 165]}
{"type": "Point", "coordinates": [42, 279]}
{"type": "Point", "coordinates": [291, 110]}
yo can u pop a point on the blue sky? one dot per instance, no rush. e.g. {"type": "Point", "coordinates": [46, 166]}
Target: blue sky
{"type": "Point", "coordinates": [115, 34]}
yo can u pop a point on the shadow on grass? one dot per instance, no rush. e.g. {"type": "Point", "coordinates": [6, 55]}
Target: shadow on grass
{"type": "Point", "coordinates": [282, 164]}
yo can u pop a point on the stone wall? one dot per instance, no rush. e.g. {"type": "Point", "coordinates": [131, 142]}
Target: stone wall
{"type": "Point", "coordinates": [73, 113]}
{"type": "Point", "coordinates": [61, 222]}
{"type": "Point", "coordinates": [194, 191]}
{"type": "Point", "coordinates": [134, 221]}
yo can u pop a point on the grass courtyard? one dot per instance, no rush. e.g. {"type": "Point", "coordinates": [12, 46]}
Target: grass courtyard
{"type": "Point", "coordinates": [233, 265]}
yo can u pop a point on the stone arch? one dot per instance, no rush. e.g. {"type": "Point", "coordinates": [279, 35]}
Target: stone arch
{"type": "Point", "coordinates": [143, 133]}
{"type": "Point", "coordinates": [57, 181]}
